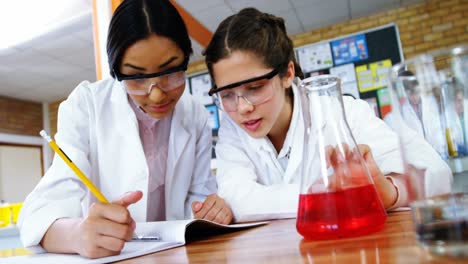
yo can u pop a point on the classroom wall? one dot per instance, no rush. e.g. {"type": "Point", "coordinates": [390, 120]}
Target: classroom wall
{"type": "Point", "coordinates": [53, 112]}
{"type": "Point", "coordinates": [20, 117]}
{"type": "Point", "coordinates": [425, 26]}
{"type": "Point", "coordinates": [16, 179]}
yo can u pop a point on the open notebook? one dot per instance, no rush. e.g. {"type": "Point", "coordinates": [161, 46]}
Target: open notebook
{"type": "Point", "coordinates": [171, 233]}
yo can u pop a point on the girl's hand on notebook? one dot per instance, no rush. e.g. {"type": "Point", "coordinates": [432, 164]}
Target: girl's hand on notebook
{"type": "Point", "coordinates": [214, 208]}
{"type": "Point", "coordinates": [107, 227]}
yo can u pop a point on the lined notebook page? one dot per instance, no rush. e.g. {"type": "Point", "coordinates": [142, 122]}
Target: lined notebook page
{"type": "Point", "coordinates": [171, 233]}
{"type": "Point", "coordinates": [131, 249]}
{"type": "Point", "coordinates": [173, 230]}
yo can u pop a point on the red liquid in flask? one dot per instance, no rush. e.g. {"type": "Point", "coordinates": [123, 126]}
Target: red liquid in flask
{"type": "Point", "coordinates": [345, 213]}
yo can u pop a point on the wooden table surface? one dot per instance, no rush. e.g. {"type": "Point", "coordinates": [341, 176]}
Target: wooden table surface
{"type": "Point", "coordinates": [279, 242]}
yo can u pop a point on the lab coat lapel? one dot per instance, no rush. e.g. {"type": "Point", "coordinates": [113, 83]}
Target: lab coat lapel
{"type": "Point", "coordinates": [294, 169]}
{"type": "Point", "coordinates": [178, 141]}
{"type": "Point", "coordinates": [411, 119]}
{"type": "Point", "coordinates": [127, 129]}
{"type": "Point", "coordinates": [127, 123]}
{"type": "Point", "coordinates": [296, 132]}
{"type": "Point", "coordinates": [296, 154]}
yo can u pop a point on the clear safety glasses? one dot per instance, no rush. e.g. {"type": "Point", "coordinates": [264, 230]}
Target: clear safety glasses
{"type": "Point", "coordinates": [142, 84]}
{"type": "Point", "coordinates": [254, 91]}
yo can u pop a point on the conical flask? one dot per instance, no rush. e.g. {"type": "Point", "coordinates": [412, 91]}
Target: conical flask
{"type": "Point", "coordinates": [337, 197]}
{"type": "Point", "coordinates": [429, 113]}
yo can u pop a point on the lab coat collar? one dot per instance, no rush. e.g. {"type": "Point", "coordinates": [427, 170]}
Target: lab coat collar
{"type": "Point", "coordinates": [178, 141]}
{"type": "Point", "coordinates": [292, 131]}
{"type": "Point", "coordinates": [293, 145]}
{"type": "Point", "coordinates": [179, 133]}
{"type": "Point", "coordinates": [294, 142]}
{"type": "Point", "coordinates": [120, 102]}
{"type": "Point", "coordinates": [128, 126]}
{"type": "Point", "coordinates": [295, 137]}
{"type": "Point", "coordinates": [179, 124]}
{"type": "Point", "coordinates": [263, 144]}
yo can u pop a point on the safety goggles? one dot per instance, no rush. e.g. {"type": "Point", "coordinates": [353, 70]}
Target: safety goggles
{"type": "Point", "coordinates": [254, 91]}
{"type": "Point", "coordinates": [142, 84]}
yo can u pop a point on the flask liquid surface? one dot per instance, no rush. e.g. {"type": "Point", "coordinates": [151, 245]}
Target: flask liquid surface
{"type": "Point", "coordinates": [344, 213]}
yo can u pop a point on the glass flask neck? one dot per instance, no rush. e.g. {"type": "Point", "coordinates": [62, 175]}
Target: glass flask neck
{"type": "Point", "coordinates": [326, 129]}
{"type": "Point", "coordinates": [323, 85]}
{"type": "Point", "coordinates": [321, 101]}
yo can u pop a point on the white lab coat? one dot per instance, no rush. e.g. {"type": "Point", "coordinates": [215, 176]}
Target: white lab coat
{"type": "Point", "coordinates": [251, 179]}
{"type": "Point", "coordinates": [433, 130]}
{"type": "Point", "coordinates": [98, 130]}
{"type": "Point", "coordinates": [435, 173]}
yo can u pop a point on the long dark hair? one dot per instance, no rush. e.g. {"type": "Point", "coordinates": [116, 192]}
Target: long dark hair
{"type": "Point", "coordinates": [250, 30]}
{"type": "Point", "coordinates": [135, 20]}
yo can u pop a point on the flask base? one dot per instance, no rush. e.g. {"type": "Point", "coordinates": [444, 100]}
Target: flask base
{"type": "Point", "coordinates": [346, 213]}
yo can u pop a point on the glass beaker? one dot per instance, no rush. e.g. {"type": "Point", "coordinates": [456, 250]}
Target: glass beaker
{"type": "Point", "coordinates": [337, 196]}
{"type": "Point", "coordinates": [429, 101]}
{"type": "Point", "coordinates": [451, 65]}
{"type": "Point", "coordinates": [430, 91]}
{"type": "Point", "coordinates": [441, 224]}
{"type": "Point", "coordinates": [440, 81]}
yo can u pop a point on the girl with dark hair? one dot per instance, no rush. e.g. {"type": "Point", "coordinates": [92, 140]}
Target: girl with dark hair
{"type": "Point", "coordinates": [138, 132]}
{"type": "Point", "coordinates": [251, 61]}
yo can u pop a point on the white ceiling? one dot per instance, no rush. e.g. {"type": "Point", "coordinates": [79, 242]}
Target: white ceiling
{"type": "Point", "coordinates": [47, 68]}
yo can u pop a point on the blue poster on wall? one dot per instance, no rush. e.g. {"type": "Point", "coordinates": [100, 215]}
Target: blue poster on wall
{"type": "Point", "coordinates": [214, 116]}
{"type": "Point", "coordinates": [349, 49]}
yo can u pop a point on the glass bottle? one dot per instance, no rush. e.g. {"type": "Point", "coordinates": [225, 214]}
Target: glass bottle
{"type": "Point", "coordinates": [429, 105]}
{"type": "Point", "coordinates": [337, 196]}
{"type": "Point", "coordinates": [439, 212]}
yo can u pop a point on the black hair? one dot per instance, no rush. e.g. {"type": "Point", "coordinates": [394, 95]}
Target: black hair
{"type": "Point", "coordinates": [134, 20]}
{"type": "Point", "coordinates": [405, 73]}
{"type": "Point", "coordinates": [261, 34]}
{"type": "Point", "coordinates": [350, 95]}
{"type": "Point", "coordinates": [409, 81]}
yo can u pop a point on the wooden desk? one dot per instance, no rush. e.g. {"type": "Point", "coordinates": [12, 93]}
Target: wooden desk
{"type": "Point", "coordinates": [278, 242]}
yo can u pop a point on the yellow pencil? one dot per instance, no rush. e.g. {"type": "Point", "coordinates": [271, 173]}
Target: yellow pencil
{"type": "Point", "coordinates": [74, 168]}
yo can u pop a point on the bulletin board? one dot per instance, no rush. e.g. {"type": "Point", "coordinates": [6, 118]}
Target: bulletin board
{"type": "Point", "coordinates": [199, 86]}
{"type": "Point", "coordinates": [315, 57]}
{"type": "Point", "coordinates": [213, 116]}
{"type": "Point", "coordinates": [370, 53]}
